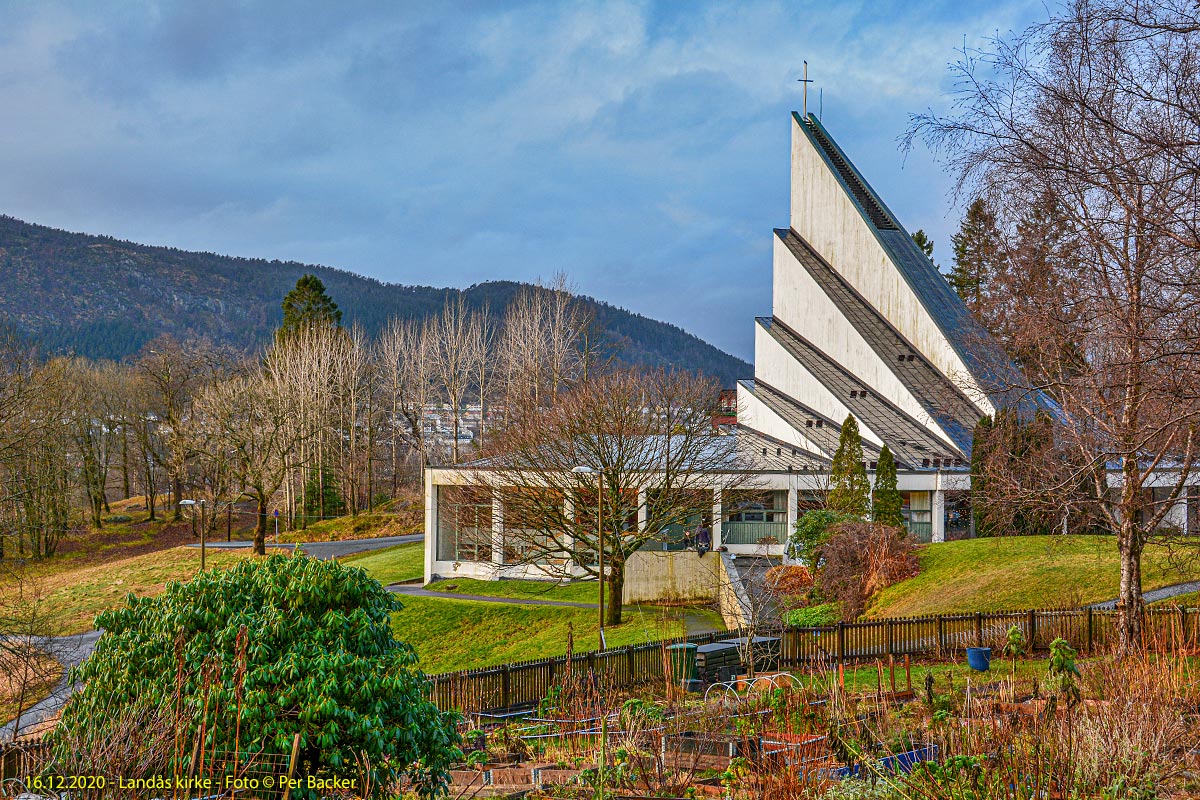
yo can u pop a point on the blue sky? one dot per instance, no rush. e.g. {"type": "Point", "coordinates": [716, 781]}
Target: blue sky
{"type": "Point", "coordinates": [640, 147]}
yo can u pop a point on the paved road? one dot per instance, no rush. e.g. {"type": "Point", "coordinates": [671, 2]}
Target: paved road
{"type": "Point", "coordinates": [1154, 595]}
{"type": "Point", "coordinates": [326, 550]}
{"type": "Point", "coordinates": [70, 651]}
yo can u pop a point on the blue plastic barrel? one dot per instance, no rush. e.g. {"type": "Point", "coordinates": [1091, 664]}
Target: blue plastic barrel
{"type": "Point", "coordinates": [979, 658]}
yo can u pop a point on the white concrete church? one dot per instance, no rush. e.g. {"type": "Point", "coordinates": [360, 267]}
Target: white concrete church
{"type": "Point", "coordinates": [864, 324]}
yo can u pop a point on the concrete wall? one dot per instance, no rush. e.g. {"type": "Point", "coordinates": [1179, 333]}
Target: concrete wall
{"type": "Point", "coordinates": [806, 309]}
{"type": "Point", "coordinates": [671, 577]}
{"type": "Point", "coordinates": [827, 218]}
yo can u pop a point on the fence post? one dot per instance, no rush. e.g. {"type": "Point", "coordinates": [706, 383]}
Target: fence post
{"type": "Point", "coordinates": [941, 645]}
{"type": "Point", "coordinates": [630, 680]}
{"type": "Point", "coordinates": [841, 642]}
{"type": "Point", "coordinates": [1091, 616]}
{"type": "Point", "coordinates": [1182, 626]}
{"type": "Point", "coordinates": [891, 638]}
{"type": "Point", "coordinates": [979, 629]}
{"type": "Point", "coordinates": [505, 687]}
{"type": "Point", "coordinates": [1032, 631]}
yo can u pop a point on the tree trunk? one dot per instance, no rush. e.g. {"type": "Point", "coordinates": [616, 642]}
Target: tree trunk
{"type": "Point", "coordinates": [260, 530]}
{"type": "Point", "coordinates": [612, 593]}
{"type": "Point", "coordinates": [176, 496]}
{"type": "Point", "coordinates": [1130, 602]}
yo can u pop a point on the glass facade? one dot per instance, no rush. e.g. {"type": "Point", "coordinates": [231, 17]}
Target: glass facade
{"type": "Point", "coordinates": [464, 528]}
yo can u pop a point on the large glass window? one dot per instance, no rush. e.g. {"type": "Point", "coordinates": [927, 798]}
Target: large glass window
{"type": "Point", "coordinates": [464, 523]}
{"type": "Point", "coordinates": [918, 514]}
{"type": "Point", "coordinates": [754, 517]}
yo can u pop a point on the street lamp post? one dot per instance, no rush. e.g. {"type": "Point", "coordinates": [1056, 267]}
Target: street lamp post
{"type": "Point", "coordinates": [200, 503]}
{"type": "Point", "coordinates": [586, 470]}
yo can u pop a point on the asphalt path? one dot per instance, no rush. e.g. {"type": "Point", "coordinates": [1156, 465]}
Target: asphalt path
{"type": "Point", "coordinates": [1154, 595]}
{"type": "Point", "coordinates": [72, 650]}
{"type": "Point", "coordinates": [323, 551]}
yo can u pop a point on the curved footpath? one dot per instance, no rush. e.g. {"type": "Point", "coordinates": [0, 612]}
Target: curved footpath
{"type": "Point", "coordinates": [1154, 595]}
{"type": "Point", "coordinates": [72, 650]}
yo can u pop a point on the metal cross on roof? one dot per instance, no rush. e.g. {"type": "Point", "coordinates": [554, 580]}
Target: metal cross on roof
{"type": "Point", "coordinates": [805, 82]}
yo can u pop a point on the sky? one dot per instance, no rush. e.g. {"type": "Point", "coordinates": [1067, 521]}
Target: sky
{"type": "Point", "coordinates": [641, 148]}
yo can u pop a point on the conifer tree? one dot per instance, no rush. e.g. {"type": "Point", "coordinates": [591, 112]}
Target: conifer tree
{"type": "Point", "coordinates": [886, 502]}
{"type": "Point", "coordinates": [978, 254]}
{"type": "Point", "coordinates": [924, 242]}
{"type": "Point", "coordinates": [308, 304]}
{"type": "Point", "coordinates": [849, 488]}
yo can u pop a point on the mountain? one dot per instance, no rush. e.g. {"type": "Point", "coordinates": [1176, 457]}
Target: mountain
{"type": "Point", "coordinates": [104, 298]}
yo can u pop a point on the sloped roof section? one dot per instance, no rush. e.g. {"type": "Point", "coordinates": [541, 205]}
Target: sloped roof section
{"type": "Point", "coordinates": [978, 350]}
{"type": "Point", "coordinates": [818, 428]}
{"type": "Point", "coordinates": [911, 442]}
{"type": "Point", "coordinates": [768, 454]}
{"type": "Point", "coordinates": [937, 394]}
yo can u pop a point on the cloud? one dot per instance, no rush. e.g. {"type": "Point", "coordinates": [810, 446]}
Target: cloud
{"type": "Point", "coordinates": [642, 147]}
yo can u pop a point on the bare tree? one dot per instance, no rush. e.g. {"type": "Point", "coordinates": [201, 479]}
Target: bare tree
{"type": "Point", "coordinates": [644, 440]}
{"type": "Point", "coordinates": [403, 353]}
{"type": "Point", "coordinates": [453, 361]}
{"type": "Point", "coordinates": [27, 628]}
{"type": "Point", "coordinates": [1097, 108]}
{"type": "Point", "coordinates": [248, 423]}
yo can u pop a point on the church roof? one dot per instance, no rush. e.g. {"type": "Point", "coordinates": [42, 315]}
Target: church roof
{"type": "Point", "coordinates": [936, 393]}
{"type": "Point", "coordinates": [816, 427]}
{"type": "Point", "coordinates": [977, 348]}
{"type": "Point", "coordinates": [910, 441]}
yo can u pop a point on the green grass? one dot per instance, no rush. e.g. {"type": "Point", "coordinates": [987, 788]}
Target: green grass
{"type": "Point", "coordinates": [463, 634]}
{"type": "Point", "coordinates": [1189, 600]}
{"type": "Point", "coordinates": [577, 592]}
{"type": "Point", "coordinates": [76, 594]}
{"type": "Point", "coordinates": [1017, 572]}
{"type": "Point", "coordinates": [403, 562]}
{"type": "Point", "coordinates": [364, 526]}
{"type": "Point", "coordinates": [866, 678]}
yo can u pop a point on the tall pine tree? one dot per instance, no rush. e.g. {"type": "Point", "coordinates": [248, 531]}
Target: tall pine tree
{"type": "Point", "coordinates": [849, 490]}
{"type": "Point", "coordinates": [924, 242]}
{"type": "Point", "coordinates": [886, 502]}
{"type": "Point", "coordinates": [978, 254]}
{"type": "Point", "coordinates": [308, 304]}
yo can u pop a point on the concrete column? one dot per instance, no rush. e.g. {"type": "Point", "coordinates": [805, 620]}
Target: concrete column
{"type": "Point", "coordinates": [716, 519]}
{"type": "Point", "coordinates": [642, 511]}
{"type": "Point", "coordinates": [497, 530]}
{"type": "Point", "coordinates": [939, 515]}
{"type": "Point", "coordinates": [431, 524]}
{"type": "Point", "coordinates": [793, 514]}
{"type": "Point", "coordinates": [569, 511]}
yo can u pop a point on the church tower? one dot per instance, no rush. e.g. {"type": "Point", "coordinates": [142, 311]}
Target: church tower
{"type": "Point", "coordinates": [862, 323]}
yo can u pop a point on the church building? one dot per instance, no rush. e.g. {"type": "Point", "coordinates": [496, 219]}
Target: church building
{"type": "Point", "coordinates": [862, 324]}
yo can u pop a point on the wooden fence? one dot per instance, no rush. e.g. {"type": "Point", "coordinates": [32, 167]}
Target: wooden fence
{"type": "Point", "coordinates": [943, 636]}
{"type": "Point", "coordinates": [21, 759]}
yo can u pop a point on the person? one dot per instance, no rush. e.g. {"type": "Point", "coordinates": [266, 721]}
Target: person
{"type": "Point", "coordinates": [703, 539]}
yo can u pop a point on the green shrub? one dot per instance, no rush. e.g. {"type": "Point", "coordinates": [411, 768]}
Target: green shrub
{"type": "Point", "coordinates": [259, 653]}
{"type": "Point", "coordinates": [814, 616]}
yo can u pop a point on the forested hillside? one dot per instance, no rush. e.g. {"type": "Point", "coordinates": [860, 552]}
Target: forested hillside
{"type": "Point", "coordinates": [104, 298]}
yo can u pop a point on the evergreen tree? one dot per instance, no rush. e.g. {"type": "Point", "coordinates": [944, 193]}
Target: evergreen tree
{"type": "Point", "coordinates": [849, 488]}
{"type": "Point", "coordinates": [308, 304]}
{"type": "Point", "coordinates": [979, 484]}
{"type": "Point", "coordinates": [978, 254]}
{"type": "Point", "coordinates": [886, 503]}
{"type": "Point", "coordinates": [924, 242]}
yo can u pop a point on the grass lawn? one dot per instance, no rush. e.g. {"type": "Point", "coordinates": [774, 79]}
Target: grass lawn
{"type": "Point", "coordinates": [866, 678]}
{"type": "Point", "coordinates": [1018, 572]}
{"type": "Point", "coordinates": [43, 676]}
{"type": "Point", "coordinates": [577, 592]}
{"type": "Point", "coordinates": [463, 634]}
{"type": "Point", "coordinates": [403, 562]}
{"type": "Point", "coordinates": [78, 593]}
